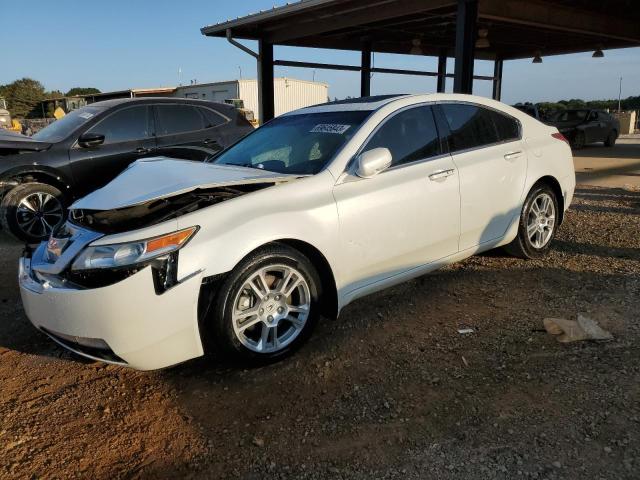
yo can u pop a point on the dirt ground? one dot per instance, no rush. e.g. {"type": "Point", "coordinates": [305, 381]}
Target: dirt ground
{"type": "Point", "coordinates": [610, 167]}
{"type": "Point", "coordinates": [390, 390]}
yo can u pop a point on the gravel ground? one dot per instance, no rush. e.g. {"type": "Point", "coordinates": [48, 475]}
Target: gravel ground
{"type": "Point", "coordinates": [390, 390]}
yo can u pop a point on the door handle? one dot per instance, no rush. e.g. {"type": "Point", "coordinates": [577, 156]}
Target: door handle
{"type": "Point", "coordinates": [142, 150]}
{"type": "Point", "coordinates": [441, 174]}
{"type": "Point", "coordinates": [512, 155]}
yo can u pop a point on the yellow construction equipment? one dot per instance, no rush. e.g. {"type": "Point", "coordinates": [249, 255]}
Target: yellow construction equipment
{"type": "Point", "coordinates": [9, 123]}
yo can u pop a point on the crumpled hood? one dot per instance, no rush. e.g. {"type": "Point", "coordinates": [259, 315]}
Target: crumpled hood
{"type": "Point", "coordinates": [160, 177]}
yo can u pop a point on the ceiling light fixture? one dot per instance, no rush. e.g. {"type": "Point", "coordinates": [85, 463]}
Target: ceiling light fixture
{"type": "Point", "coordinates": [537, 58]}
{"type": "Point", "coordinates": [598, 53]}
{"type": "Point", "coordinates": [483, 41]}
{"type": "Point", "coordinates": [416, 49]}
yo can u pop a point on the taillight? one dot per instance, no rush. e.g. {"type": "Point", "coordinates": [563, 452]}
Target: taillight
{"type": "Point", "coordinates": [559, 136]}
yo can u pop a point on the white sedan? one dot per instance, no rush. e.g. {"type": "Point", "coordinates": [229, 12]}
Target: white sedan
{"type": "Point", "coordinates": [318, 207]}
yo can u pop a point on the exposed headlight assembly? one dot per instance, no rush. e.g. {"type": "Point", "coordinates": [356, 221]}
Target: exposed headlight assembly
{"type": "Point", "coordinates": [132, 253]}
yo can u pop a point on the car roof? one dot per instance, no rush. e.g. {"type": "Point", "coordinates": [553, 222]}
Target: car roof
{"type": "Point", "coordinates": [378, 102]}
{"type": "Point", "coordinates": [155, 100]}
{"type": "Point", "coordinates": [351, 104]}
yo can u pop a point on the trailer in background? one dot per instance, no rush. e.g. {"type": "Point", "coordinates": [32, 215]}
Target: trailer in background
{"type": "Point", "coordinates": [290, 93]}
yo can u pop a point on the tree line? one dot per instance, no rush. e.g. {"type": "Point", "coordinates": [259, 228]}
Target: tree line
{"type": "Point", "coordinates": [629, 103]}
{"type": "Point", "coordinates": [24, 96]}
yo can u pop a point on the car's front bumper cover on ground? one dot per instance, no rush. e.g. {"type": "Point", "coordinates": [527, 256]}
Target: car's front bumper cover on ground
{"type": "Point", "coordinates": [124, 323]}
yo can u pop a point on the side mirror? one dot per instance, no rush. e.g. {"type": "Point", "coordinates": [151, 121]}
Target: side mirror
{"type": "Point", "coordinates": [89, 140]}
{"type": "Point", "coordinates": [372, 162]}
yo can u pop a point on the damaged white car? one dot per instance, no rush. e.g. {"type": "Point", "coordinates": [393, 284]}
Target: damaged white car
{"type": "Point", "coordinates": [318, 207]}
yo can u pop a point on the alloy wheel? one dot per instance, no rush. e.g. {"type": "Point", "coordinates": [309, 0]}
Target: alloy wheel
{"type": "Point", "coordinates": [271, 309]}
{"type": "Point", "coordinates": [39, 213]}
{"type": "Point", "coordinates": [541, 220]}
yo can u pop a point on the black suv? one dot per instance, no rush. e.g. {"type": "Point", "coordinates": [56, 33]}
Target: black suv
{"type": "Point", "coordinates": [40, 176]}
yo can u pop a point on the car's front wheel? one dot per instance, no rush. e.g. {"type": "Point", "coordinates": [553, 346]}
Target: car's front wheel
{"type": "Point", "coordinates": [31, 211]}
{"type": "Point", "coordinates": [538, 223]}
{"type": "Point", "coordinates": [267, 306]}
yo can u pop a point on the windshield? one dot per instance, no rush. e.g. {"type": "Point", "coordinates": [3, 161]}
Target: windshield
{"type": "Point", "coordinates": [297, 144]}
{"type": "Point", "coordinates": [570, 116]}
{"type": "Point", "coordinates": [61, 129]}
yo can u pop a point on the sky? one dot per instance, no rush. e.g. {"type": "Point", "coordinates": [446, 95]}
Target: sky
{"type": "Point", "coordinates": [118, 44]}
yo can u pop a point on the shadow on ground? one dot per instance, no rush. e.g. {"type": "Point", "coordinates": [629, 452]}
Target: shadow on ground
{"type": "Point", "coordinates": [620, 150]}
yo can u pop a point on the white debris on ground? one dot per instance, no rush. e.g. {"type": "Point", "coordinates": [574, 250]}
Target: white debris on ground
{"type": "Point", "coordinates": [584, 328]}
{"type": "Point", "coordinates": [465, 331]}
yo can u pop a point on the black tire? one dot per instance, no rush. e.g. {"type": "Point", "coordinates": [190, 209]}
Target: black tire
{"type": "Point", "coordinates": [610, 141]}
{"type": "Point", "coordinates": [219, 324]}
{"type": "Point", "coordinates": [522, 246]}
{"type": "Point", "coordinates": [578, 141]}
{"type": "Point", "coordinates": [13, 218]}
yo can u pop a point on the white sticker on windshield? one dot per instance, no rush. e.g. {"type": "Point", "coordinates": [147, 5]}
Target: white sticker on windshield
{"type": "Point", "coordinates": [86, 115]}
{"type": "Point", "coordinates": [330, 128]}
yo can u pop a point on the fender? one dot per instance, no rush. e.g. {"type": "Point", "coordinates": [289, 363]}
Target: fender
{"type": "Point", "coordinates": [12, 177]}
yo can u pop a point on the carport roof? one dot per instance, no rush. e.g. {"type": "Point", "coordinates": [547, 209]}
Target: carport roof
{"type": "Point", "coordinates": [515, 28]}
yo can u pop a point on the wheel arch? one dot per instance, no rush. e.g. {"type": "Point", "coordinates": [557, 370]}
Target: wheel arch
{"type": "Point", "coordinates": [330, 305]}
{"type": "Point", "coordinates": [35, 173]}
{"type": "Point", "coordinates": [323, 267]}
{"type": "Point", "coordinates": [554, 184]}
{"type": "Point", "coordinates": [211, 286]}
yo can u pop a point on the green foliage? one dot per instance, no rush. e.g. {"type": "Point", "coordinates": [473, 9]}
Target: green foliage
{"type": "Point", "coordinates": [629, 103]}
{"type": "Point", "coordinates": [573, 103]}
{"type": "Point", "coordinates": [546, 108]}
{"type": "Point", "coordinates": [23, 97]}
{"type": "Point", "coordinates": [82, 91]}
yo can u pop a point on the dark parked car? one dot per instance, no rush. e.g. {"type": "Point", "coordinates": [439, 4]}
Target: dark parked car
{"type": "Point", "coordinates": [41, 175]}
{"type": "Point", "coordinates": [583, 126]}
{"type": "Point", "coordinates": [530, 109]}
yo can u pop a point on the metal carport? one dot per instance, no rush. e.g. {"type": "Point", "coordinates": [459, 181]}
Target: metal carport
{"type": "Point", "coordinates": [512, 29]}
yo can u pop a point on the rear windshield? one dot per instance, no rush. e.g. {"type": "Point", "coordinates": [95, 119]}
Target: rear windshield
{"type": "Point", "coordinates": [297, 144]}
{"type": "Point", "coordinates": [570, 116]}
{"type": "Point", "coordinates": [61, 129]}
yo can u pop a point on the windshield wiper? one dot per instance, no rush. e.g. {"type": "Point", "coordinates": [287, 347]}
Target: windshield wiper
{"type": "Point", "coordinates": [248, 165]}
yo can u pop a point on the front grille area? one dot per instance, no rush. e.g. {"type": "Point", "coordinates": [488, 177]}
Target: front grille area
{"type": "Point", "coordinates": [93, 347]}
{"type": "Point", "coordinates": [99, 278]}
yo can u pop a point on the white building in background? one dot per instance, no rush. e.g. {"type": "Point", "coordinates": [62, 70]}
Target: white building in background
{"type": "Point", "coordinates": [290, 93]}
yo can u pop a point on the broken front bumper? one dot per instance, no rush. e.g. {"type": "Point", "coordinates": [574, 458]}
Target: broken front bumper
{"type": "Point", "coordinates": [125, 323]}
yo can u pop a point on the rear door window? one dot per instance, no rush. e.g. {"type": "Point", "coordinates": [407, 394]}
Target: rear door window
{"type": "Point", "coordinates": [174, 119]}
{"type": "Point", "coordinates": [508, 128]}
{"type": "Point", "coordinates": [211, 118]}
{"type": "Point", "coordinates": [133, 123]}
{"type": "Point", "coordinates": [410, 135]}
{"type": "Point", "coordinates": [470, 126]}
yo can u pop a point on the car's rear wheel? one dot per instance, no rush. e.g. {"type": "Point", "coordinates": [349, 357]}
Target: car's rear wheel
{"type": "Point", "coordinates": [31, 211]}
{"type": "Point", "coordinates": [611, 139]}
{"type": "Point", "coordinates": [538, 223]}
{"type": "Point", "coordinates": [578, 141]}
{"type": "Point", "coordinates": [267, 306]}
